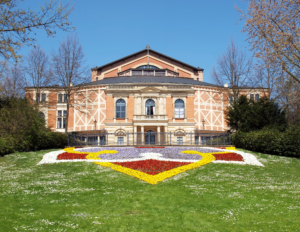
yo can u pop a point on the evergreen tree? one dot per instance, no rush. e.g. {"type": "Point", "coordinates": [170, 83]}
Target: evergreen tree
{"type": "Point", "coordinates": [247, 115]}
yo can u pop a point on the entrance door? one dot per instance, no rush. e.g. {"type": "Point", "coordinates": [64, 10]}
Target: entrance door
{"type": "Point", "coordinates": [150, 137]}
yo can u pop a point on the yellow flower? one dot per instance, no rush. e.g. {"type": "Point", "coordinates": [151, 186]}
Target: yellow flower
{"type": "Point", "coordinates": [91, 155]}
{"type": "Point", "coordinates": [154, 179]}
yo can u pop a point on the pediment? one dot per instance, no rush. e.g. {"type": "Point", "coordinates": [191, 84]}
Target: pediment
{"type": "Point", "coordinates": [150, 90]}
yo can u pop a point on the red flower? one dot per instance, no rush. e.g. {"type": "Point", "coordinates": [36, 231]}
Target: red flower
{"type": "Point", "coordinates": [151, 167]}
{"type": "Point", "coordinates": [229, 157]}
{"type": "Point", "coordinates": [71, 156]}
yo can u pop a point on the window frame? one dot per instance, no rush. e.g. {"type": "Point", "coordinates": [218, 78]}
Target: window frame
{"type": "Point", "coordinates": [152, 108]}
{"type": "Point", "coordinates": [61, 119]}
{"type": "Point", "coordinates": [179, 140]}
{"type": "Point", "coordinates": [120, 111]}
{"type": "Point", "coordinates": [120, 140]}
{"type": "Point", "coordinates": [145, 67]}
{"type": "Point", "coordinates": [59, 98]}
{"type": "Point", "coordinates": [181, 114]}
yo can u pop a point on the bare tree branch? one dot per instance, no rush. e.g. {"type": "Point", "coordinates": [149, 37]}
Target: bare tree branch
{"type": "Point", "coordinates": [69, 70]}
{"type": "Point", "coordinates": [17, 25]}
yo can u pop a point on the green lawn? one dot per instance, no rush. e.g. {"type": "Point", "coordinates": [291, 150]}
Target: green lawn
{"type": "Point", "coordinates": [88, 197]}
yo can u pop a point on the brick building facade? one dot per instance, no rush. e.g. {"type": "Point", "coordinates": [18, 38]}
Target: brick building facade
{"type": "Point", "coordinates": [145, 91]}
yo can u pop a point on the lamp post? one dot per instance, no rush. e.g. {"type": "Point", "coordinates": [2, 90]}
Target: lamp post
{"type": "Point", "coordinates": [95, 122]}
{"type": "Point", "coordinates": [203, 122]}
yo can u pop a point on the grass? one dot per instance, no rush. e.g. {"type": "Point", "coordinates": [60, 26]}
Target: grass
{"type": "Point", "coordinates": [88, 197]}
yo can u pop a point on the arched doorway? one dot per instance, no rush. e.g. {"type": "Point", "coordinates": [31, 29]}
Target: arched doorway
{"type": "Point", "coordinates": [150, 107]}
{"type": "Point", "coordinates": [150, 137]}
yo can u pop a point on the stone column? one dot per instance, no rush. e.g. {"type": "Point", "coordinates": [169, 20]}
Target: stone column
{"type": "Point", "coordinates": [142, 134]}
{"type": "Point", "coordinates": [166, 134]}
{"type": "Point", "coordinates": [142, 106]}
{"type": "Point", "coordinates": [158, 135]}
{"type": "Point", "coordinates": [135, 135]}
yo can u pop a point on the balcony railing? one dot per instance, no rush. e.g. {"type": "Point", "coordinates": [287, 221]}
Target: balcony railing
{"type": "Point", "coordinates": [149, 139]}
{"type": "Point", "coordinates": [150, 117]}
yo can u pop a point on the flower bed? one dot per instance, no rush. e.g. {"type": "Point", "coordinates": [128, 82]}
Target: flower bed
{"type": "Point", "coordinates": [151, 164]}
{"type": "Point", "coordinates": [71, 156]}
{"type": "Point", "coordinates": [228, 157]}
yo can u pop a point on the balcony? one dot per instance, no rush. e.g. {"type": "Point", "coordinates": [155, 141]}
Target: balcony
{"type": "Point", "coordinates": [150, 117]}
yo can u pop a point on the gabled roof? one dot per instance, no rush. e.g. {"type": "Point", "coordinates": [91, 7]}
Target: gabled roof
{"type": "Point", "coordinates": [145, 50]}
{"type": "Point", "coordinates": [149, 80]}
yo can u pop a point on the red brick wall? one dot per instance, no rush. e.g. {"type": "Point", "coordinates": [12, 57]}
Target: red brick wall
{"type": "Point", "coordinates": [169, 102]}
{"type": "Point", "coordinates": [190, 109]}
{"type": "Point", "coordinates": [110, 111]}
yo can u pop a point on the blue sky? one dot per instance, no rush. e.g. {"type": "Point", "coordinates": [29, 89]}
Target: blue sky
{"type": "Point", "coordinates": [193, 31]}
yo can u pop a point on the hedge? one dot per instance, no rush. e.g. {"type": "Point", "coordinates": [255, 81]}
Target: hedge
{"type": "Point", "coordinates": [270, 141]}
{"type": "Point", "coordinates": [45, 140]}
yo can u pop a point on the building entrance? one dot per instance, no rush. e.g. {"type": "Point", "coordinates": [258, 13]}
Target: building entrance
{"type": "Point", "coordinates": [150, 137]}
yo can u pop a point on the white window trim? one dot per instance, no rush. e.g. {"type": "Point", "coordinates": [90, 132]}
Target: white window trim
{"type": "Point", "coordinates": [155, 107]}
{"type": "Point", "coordinates": [184, 100]}
{"type": "Point", "coordinates": [115, 106]}
{"type": "Point", "coordinates": [63, 98]}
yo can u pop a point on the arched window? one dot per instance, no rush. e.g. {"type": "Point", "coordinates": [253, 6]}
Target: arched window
{"type": "Point", "coordinates": [146, 66]}
{"type": "Point", "coordinates": [179, 108]}
{"type": "Point", "coordinates": [120, 108]}
{"type": "Point", "coordinates": [42, 115]}
{"type": "Point", "coordinates": [150, 107]}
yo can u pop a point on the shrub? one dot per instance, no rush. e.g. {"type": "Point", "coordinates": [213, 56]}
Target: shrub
{"type": "Point", "coordinates": [270, 141]}
{"type": "Point", "coordinates": [21, 129]}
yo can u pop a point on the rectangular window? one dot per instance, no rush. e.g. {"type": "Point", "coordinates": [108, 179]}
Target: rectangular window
{"type": "Point", "coordinates": [43, 97]}
{"type": "Point", "coordinates": [256, 97]}
{"type": "Point", "coordinates": [230, 99]}
{"type": "Point", "coordinates": [179, 140]}
{"type": "Point", "coordinates": [59, 123]}
{"type": "Point", "coordinates": [38, 98]}
{"type": "Point", "coordinates": [61, 119]}
{"type": "Point", "coordinates": [64, 122]}
{"type": "Point", "coordinates": [120, 140]}
{"type": "Point", "coordinates": [65, 98]}
{"type": "Point", "coordinates": [252, 97]}
{"type": "Point", "coordinates": [59, 98]}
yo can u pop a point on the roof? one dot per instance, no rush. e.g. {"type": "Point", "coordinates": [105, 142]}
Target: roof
{"type": "Point", "coordinates": [145, 50]}
{"type": "Point", "coordinates": [149, 80]}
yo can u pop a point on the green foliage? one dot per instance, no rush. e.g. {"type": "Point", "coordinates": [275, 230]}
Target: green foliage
{"type": "Point", "coordinates": [270, 141]}
{"type": "Point", "coordinates": [21, 129]}
{"type": "Point", "coordinates": [83, 196]}
{"type": "Point", "coordinates": [247, 115]}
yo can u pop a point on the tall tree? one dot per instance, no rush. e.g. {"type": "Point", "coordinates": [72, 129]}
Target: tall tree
{"type": "Point", "coordinates": [234, 68]}
{"type": "Point", "coordinates": [37, 70]}
{"type": "Point", "coordinates": [69, 69]}
{"type": "Point", "coordinates": [273, 30]}
{"type": "Point", "coordinates": [14, 82]}
{"type": "Point", "coordinates": [17, 25]}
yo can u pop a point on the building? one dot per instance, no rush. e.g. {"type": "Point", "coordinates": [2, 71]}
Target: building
{"type": "Point", "coordinates": [141, 94]}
